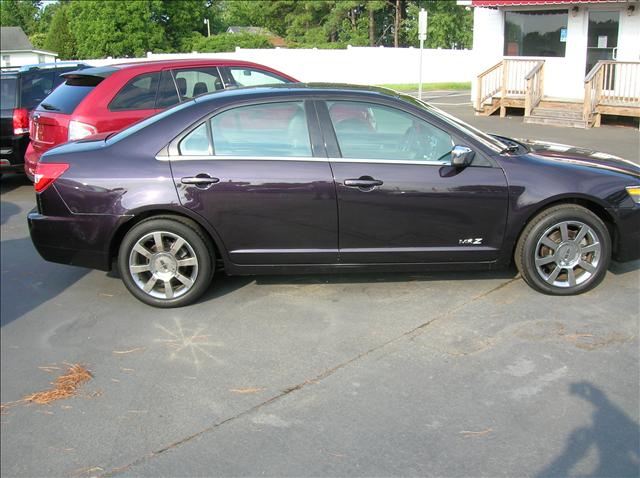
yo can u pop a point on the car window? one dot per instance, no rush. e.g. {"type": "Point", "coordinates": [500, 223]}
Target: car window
{"type": "Point", "coordinates": [66, 97]}
{"type": "Point", "coordinates": [196, 143]}
{"type": "Point", "coordinates": [34, 87]}
{"type": "Point", "coordinates": [370, 131]}
{"type": "Point", "coordinates": [271, 130]}
{"type": "Point", "coordinates": [167, 92]}
{"type": "Point", "coordinates": [8, 92]}
{"type": "Point", "coordinates": [138, 94]}
{"type": "Point", "coordinates": [194, 82]}
{"type": "Point", "coordinates": [253, 77]}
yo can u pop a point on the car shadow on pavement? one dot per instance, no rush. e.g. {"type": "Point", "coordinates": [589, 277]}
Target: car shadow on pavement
{"type": "Point", "coordinates": [619, 268]}
{"type": "Point", "coordinates": [9, 182]}
{"type": "Point", "coordinates": [223, 284]}
{"type": "Point", "coordinates": [7, 210]}
{"type": "Point", "coordinates": [26, 288]}
{"type": "Point", "coordinates": [615, 436]}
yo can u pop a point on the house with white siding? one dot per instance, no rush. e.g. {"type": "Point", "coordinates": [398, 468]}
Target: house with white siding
{"type": "Point", "coordinates": [17, 50]}
{"type": "Point", "coordinates": [565, 62]}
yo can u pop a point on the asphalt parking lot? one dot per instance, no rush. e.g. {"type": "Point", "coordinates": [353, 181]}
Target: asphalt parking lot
{"type": "Point", "coordinates": [443, 374]}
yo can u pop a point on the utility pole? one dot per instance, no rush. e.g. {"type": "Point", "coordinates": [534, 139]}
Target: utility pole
{"type": "Point", "coordinates": [206, 22]}
{"type": "Point", "coordinates": [422, 35]}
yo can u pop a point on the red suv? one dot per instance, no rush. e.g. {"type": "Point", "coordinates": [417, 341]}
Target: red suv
{"type": "Point", "coordinates": [110, 98]}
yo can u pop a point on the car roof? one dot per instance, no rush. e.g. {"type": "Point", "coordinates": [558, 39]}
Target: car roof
{"type": "Point", "coordinates": [183, 63]}
{"type": "Point", "coordinates": [303, 89]}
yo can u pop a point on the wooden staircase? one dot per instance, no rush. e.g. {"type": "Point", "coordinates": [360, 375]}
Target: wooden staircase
{"type": "Point", "coordinates": [611, 87]}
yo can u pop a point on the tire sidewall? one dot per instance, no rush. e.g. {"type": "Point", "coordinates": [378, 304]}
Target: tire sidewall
{"type": "Point", "coordinates": [534, 235]}
{"type": "Point", "coordinates": [203, 253]}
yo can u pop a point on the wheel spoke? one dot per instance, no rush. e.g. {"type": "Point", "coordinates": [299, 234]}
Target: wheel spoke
{"type": "Point", "coordinates": [185, 280]}
{"type": "Point", "coordinates": [583, 232]}
{"type": "Point", "coordinates": [587, 266]}
{"type": "Point", "coordinates": [150, 283]}
{"type": "Point", "coordinates": [137, 269]}
{"type": "Point", "coordinates": [571, 277]}
{"type": "Point", "coordinates": [564, 231]}
{"type": "Point", "coordinates": [140, 249]}
{"type": "Point", "coordinates": [168, 289]}
{"type": "Point", "coordinates": [549, 243]}
{"type": "Point", "coordinates": [157, 238]}
{"type": "Point", "coordinates": [175, 247]}
{"type": "Point", "coordinates": [191, 261]}
{"type": "Point", "coordinates": [554, 275]}
{"type": "Point", "coordinates": [595, 247]}
{"type": "Point", "coordinates": [541, 261]}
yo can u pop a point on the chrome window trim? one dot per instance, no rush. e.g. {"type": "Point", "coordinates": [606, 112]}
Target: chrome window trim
{"type": "Point", "coordinates": [296, 158]}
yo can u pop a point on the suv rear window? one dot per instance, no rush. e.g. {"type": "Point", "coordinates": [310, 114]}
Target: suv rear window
{"type": "Point", "coordinates": [8, 92]}
{"type": "Point", "coordinates": [68, 95]}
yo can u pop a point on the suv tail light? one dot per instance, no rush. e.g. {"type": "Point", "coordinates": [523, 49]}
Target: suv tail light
{"type": "Point", "coordinates": [79, 130]}
{"type": "Point", "coordinates": [20, 121]}
{"type": "Point", "coordinates": [47, 173]}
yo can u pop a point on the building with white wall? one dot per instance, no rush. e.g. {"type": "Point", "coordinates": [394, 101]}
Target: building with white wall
{"type": "Point", "coordinates": [569, 36]}
{"type": "Point", "coordinates": [17, 50]}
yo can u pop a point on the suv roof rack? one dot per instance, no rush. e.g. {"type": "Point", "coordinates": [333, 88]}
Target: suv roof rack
{"type": "Point", "coordinates": [44, 66]}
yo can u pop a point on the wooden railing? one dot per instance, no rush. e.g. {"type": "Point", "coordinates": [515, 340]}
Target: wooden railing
{"type": "Point", "coordinates": [508, 78]}
{"type": "Point", "coordinates": [611, 83]}
{"type": "Point", "coordinates": [534, 88]}
{"type": "Point", "coordinates": [489, 83]}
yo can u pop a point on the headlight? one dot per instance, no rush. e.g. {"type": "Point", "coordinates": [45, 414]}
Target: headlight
{"type": "Point", "coordinates": [634, 192]}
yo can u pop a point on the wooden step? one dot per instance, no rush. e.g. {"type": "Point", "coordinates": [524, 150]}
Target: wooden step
{"type": "Point", "coordinates": [557, 113]}
{"type": "Point", "coordinates": [556, 121]}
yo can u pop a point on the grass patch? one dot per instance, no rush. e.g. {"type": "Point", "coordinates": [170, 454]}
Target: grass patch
{"type": "Point", "coordinates": [429, 86]}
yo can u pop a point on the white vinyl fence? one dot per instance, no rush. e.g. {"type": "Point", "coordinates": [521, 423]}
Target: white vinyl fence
{"type": "Point", "coordinates": [359, 65]}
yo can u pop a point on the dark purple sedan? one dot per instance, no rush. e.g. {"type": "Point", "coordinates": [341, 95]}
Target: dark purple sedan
{"type": "Point", "coordinates": [325, 178]}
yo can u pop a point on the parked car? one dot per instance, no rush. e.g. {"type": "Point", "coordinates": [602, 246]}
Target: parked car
{"type": "Point", "coordinates": [110, 98]}
{"type": "Point", "coordinates": [285, 179]}
{"type": "Point", "coordinates": [21, 89]}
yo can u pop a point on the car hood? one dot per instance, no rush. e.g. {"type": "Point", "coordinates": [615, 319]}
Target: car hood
{"type": "Point", "coordinates": [582, 157]}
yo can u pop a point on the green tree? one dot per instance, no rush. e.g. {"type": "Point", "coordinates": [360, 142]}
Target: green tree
{"type": "Point", "coordinates": [449, 25]}
{"type": "Point", "coordinates": [115, 28]}
{"type": "Point", "coordinates": [20, 13]}
{"type": "Point", "coordinates": [59, 38]}
{"type": "Point", "coordinates": [229, 41]}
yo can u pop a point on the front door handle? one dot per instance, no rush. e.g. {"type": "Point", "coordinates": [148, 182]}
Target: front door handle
{"type": "Point", "coordinates": [200, 180]}
{"type": "Point", "coordinates": [364, 182]}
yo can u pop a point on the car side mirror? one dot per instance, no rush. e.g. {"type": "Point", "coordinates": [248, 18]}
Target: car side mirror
{"type": "Point", "coordinates": [461, 156]}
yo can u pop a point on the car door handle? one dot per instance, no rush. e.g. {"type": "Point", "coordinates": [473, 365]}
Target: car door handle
{"type": "Point", "coordinates": [363, 182]}
{"type": "Point", "coordinates": [200, 180]}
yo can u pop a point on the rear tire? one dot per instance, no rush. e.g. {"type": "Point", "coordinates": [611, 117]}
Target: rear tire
{"type": "Point", "coordinates": [166, 261]}
{"type": "Point", "coordinates": [564, 250]}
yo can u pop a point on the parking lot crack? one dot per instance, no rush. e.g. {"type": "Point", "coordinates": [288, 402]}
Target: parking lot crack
{"type": "Point", "coordinates": [294, 388]}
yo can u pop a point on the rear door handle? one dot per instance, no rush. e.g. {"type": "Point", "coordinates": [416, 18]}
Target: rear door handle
{"type": "Point", "coordinates": [200, 180]}
{"type": "Point", "coordinates": [364, 182]}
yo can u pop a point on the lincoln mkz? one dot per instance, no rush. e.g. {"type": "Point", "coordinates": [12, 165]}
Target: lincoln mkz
{"type": "Point", "coordinates": [324, 178]}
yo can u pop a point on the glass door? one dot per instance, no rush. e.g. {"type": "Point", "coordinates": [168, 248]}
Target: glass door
{"type": "Point", "coordinates": [602, 43]}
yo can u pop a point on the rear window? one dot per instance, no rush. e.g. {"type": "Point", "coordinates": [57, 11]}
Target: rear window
{"type": "Point", "coordinates": [66, 97]}
{"type": "Point", "coordinates": [8, 92]}
{"type": "Point", "coordinates": [35, 86]}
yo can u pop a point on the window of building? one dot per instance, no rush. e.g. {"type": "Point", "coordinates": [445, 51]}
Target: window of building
{"type": "Point", "coordinates": [535, 33]}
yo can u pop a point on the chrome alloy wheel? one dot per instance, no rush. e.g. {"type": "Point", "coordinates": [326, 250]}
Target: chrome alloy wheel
{"type": "Point", "coordinates": [567, 254]}
{"type": "Point", "coordinates": [163, 264]}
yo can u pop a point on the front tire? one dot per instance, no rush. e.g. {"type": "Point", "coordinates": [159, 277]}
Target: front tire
{"type": "Point", "coordinates": [564, 250]}
{"type": "Point", "coordinates": [166, 261]}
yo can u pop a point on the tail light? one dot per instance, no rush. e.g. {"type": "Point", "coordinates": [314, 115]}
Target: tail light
{"type": "Point", "coordinates": [79, 130]}
{"type": "Point", "coordinates": [20, 121]}
{"type": "Point", "coordinates": [47, 173]}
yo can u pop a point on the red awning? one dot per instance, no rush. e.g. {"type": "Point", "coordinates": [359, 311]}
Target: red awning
{"type": "Point", "coordinates": [511, 3]}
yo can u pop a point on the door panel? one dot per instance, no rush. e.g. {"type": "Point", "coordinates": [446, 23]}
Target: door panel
{"type": "Point", "coordinates": [266, 212]}
{"type": "Point", "coordinates": [421, 213]}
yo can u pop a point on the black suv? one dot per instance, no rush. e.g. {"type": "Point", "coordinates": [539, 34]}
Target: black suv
{"type": "Point", "coordinates": [22, 89]}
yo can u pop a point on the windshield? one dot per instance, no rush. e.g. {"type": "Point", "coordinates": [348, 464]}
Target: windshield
{"type": "Point", "coordinates": [125, 133]}
{"type": "Point", "coordinates": [8, 92]}
{"type": "Point", "coordinates": [489, 141]}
